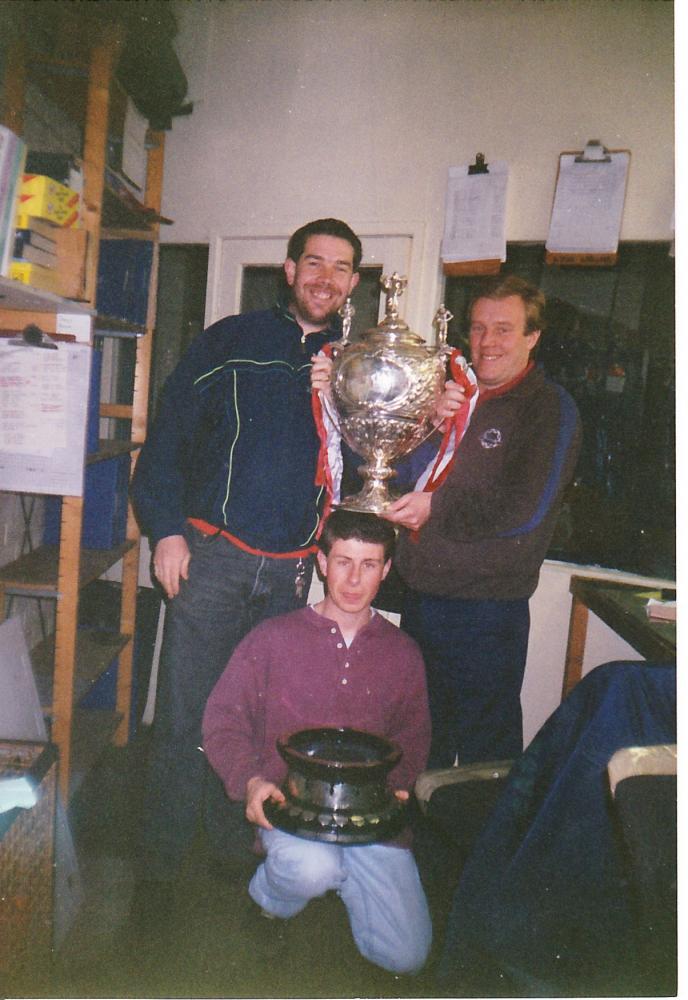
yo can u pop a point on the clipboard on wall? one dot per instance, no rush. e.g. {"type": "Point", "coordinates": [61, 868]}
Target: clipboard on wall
{"type": "Point", "coordinates": [474, 241]}
{"type": "Point", "coordinates": [588, 207]}
{"type": "Point", "coordinates": [43, 415]}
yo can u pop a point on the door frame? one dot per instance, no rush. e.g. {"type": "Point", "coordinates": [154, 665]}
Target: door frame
{"type": "Point", "coordinates": [393, 246]}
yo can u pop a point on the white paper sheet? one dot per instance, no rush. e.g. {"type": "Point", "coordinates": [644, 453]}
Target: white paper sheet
{"type": "Point", "coordinates": [588, 205]}
{"type": "Point", "coordinates": [475, 216]}
{"type": "Point", "coordinates": [43, 412]}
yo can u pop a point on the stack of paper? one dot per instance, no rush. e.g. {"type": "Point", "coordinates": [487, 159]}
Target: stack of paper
{"type": "Point", "coordinates": [588, 203]}
{"type": "Point", "coordinates": [475, 217]}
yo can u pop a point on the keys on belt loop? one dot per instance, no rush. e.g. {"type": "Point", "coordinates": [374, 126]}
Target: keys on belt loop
{"type": "Point", "coordinates": [300, 578]}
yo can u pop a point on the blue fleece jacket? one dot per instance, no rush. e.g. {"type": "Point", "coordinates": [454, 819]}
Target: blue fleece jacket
{"type": "Point", "coordinates": [235, 443]}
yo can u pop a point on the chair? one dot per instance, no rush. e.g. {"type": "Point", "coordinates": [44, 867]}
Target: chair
{"type": "Point", "coordinates": [642, 782]}
{"type": "Point", "coordinates": [561, 878]}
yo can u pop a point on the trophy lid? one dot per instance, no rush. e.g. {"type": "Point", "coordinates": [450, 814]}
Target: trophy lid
{"type": "Point", "coordinates": [392, 329]}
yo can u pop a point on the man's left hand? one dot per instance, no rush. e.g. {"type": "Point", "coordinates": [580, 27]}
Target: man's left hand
{"type": "Point", "coordinates": [410, 511]}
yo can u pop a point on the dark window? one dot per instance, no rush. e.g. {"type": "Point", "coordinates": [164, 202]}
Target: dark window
{"type": "Point", "coordinates": [262, 285]}
{"type": "Point", "coordinates": [182, 283]}
{"type": "Point", "coordinates": [610, 342]}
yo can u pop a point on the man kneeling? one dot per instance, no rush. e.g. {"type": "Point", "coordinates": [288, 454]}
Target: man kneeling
{"type": "Point", "coordinates": [337, 663]}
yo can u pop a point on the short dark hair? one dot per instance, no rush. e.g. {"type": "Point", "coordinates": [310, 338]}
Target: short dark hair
{"type": "Point", "coordinates": [347, 524]}
{"type": "Point", "coordinates": [324, 227]}
{"type": "Point", "coordinates": [502, 286]}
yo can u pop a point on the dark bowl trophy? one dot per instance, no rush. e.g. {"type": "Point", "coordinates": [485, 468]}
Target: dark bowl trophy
{"type": "Point", "coordinates": [336, 787]}
{"type": "Point", "coordinates": [384, 388]}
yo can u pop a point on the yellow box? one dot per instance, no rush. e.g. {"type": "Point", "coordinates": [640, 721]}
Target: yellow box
{"type": "Point", "coordinates": [46, 198]}
{"type": "Point", "coordinates": [44, 278]}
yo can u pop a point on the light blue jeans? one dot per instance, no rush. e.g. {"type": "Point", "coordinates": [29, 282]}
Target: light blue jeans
{"type": "Point", "coordinates": [379, 885]}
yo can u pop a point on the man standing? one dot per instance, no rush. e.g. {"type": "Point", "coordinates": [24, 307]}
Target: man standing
{"type": "Point", "coordinates": [228, 488]}
{"type": "Point", "coordinates": [476, 542]}
{"type": "Point", "coordinates": [337, 664]}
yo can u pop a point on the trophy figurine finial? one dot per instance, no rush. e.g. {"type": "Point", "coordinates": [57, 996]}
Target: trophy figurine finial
{"type": "Point", "coordinates": [442, 320]}
{"type": "Point", "coordinates": [347, 312]}
{"type": "Point", "coordinates": [394, 286]}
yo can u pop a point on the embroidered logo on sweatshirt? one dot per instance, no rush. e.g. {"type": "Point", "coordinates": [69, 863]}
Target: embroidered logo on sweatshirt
{"type": "Point", "coordinates": [491, 438]}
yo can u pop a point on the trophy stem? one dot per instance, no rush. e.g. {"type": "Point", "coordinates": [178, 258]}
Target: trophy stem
{"type": "Point", "coordinates": [375, 497]}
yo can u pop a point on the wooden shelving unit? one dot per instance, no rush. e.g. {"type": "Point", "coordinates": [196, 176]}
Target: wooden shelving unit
{"type": "Point", "coordinates": [68, 663]}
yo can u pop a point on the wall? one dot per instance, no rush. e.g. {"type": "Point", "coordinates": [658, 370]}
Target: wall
{"type": "Point", "coordinates": [357, 108]}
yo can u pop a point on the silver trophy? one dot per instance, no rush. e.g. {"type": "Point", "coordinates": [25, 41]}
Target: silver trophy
{"type": "Point", "coordinates": [385, 388]}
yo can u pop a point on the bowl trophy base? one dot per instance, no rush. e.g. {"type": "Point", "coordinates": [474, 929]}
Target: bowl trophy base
{"type": "Point", "coordinates": [336, 787]}
{"type": "Point", "coordinates": [337, 826]}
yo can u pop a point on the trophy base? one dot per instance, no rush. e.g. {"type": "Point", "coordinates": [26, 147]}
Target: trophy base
{"type": "Point", "coordinates": [337, 826]}
{"type": "Point", "coordinates": [374, 498]}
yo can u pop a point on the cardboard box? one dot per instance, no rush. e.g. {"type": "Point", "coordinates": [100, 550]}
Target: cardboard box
{"type": "Point", "coordinates": [46, 198]}
{"type": "Point", "coordinates": [106, 490]}
{"type": "Point", "coordinates": [68, 277]}
{"type": "Point", "coordinates": [71, 247]}
{"type": "Point", "coordinates": [45, 278]}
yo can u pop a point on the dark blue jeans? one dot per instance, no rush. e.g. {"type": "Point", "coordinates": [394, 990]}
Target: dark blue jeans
{"type": "Point", "coordinates": [228, 593]}
{"type": "Point", "coordinates": [475, 658]}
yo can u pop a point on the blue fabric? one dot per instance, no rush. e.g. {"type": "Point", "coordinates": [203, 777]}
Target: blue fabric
{"type": "Point", "coordinates": [228, 593]}
{"type": "Point", "coordinates": [379, 885]}
{"type": "Point", "coordinates": [568, 427]}
{"type": "Point", "coordinates": [475, 657]}
{"type": "Point", "coordinates": [235, 443]}
{"type": "Point", "coordinates": [544, 898]}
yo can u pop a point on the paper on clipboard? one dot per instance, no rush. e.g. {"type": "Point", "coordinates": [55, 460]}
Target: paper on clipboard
{"type": "Point", "coordinates": [43, 412]}
{"type": "Point", "coordinates": [588, 204]}
{"type": "Point", "coordinates": [475, 216]}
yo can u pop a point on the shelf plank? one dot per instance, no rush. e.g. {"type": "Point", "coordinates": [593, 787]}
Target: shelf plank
{"type": "Point", "coordinates": [95, 651]}
{"type": "Point", "coordinates": [109, 326]}
{"type": "Point", "coordinates": [35, 574]}
{"type": "Point", "coordinates": [148, 235]}
{"type": "Point", "coordinates": [14, 295]}
{"type": "Point", "coordinates": [120, 213]}
{"type": "Point", "coordinates": [111, 449]}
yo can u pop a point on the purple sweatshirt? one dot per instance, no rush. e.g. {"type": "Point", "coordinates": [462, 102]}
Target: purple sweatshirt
{"type": "Point", "coordinates": [296, 672]}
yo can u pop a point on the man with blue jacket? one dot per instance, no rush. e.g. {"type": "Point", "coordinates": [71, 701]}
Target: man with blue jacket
{"type": "Point", "coordinates": [230, 489]}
